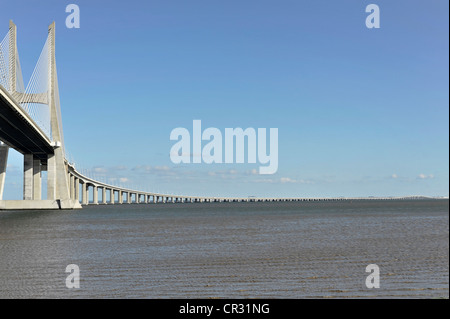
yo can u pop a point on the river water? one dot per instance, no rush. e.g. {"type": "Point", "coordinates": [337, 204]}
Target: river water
{"type": "Point", "coordinates": [229, 250]}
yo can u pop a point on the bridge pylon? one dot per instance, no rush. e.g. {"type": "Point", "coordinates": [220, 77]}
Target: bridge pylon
{"type": "Point", "coordinates": [11, 69]}
{"type": "Point", "coordinates": [57, 172]}
{"type": "Point", "coordinates": [52, 161]}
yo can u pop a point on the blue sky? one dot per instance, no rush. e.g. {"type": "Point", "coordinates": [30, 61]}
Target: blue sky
{"type": "Point", "coordinates": [360, 112]}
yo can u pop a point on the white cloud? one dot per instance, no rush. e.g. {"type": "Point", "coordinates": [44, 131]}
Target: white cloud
{"type": "Point", "coordinates": [424, 176]}
{"type": "Point", "coordinates": [100, 169]}
{"type": "Point", "coordinates": [162, 168]}
{"type": "Point", "coordinates": [265, 180]}
{"type": "Point", "coordinates": [283, 180]}
{"type": "Point", "coordinates": [145, 168]}
{"type": "Point", "coordinates": [287, 180]}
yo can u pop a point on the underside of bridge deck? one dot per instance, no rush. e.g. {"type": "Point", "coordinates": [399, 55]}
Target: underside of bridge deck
{"type": "Point", "coordinates": [17, 133]}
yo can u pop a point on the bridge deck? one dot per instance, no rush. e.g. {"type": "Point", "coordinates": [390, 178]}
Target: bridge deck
{"type": "Point", "coordinates": [19, 131]}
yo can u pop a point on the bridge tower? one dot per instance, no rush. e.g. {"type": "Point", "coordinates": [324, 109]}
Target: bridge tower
{"type": "Point", "coordinates": [57, 171]}
{"type": "Point", "coordinates": [4, 149]}
{"type": "Point", "coordinates": [58, 179]}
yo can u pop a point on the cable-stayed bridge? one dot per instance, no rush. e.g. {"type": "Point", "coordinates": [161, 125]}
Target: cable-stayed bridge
{"type": "Point", "coordinates": [30, 123]}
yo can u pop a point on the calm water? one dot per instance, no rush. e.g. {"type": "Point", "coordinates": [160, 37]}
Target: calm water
{"type": "Point", "coordinates": [230, 250]}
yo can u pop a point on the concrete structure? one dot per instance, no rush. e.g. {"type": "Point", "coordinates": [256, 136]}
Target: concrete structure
{"type": "Point", "coordinates": [20, 131]}
{"type": "Point", "coordinates": [4, 150]}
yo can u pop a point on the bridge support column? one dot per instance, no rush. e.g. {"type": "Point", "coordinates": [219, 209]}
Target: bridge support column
{"type": "Point", "coordinates": [3, 161]}
{"type": "Point", "coordinates": [28, 177]}
{"type": "Point", "coordinates": [71, 186]}
{"type": "Point", "coordinates": [103, 195]}
{"type": "Point", "coordinates": [120, 197]}
{"type": "Point", "coordinates": [77, 189]}
{"type": "Point", "coordinates": [111, 196]}
{"type": "Point", "coordinates": [37, 190]}
{"type": "Point", "coordinates": [51, 177]}
{"type": "Point", "coordinates": [128, 198]}
{"type": "Point", "coordinates": [95, 197]}
{"type": "Point", "coordinates": [85, 200]}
